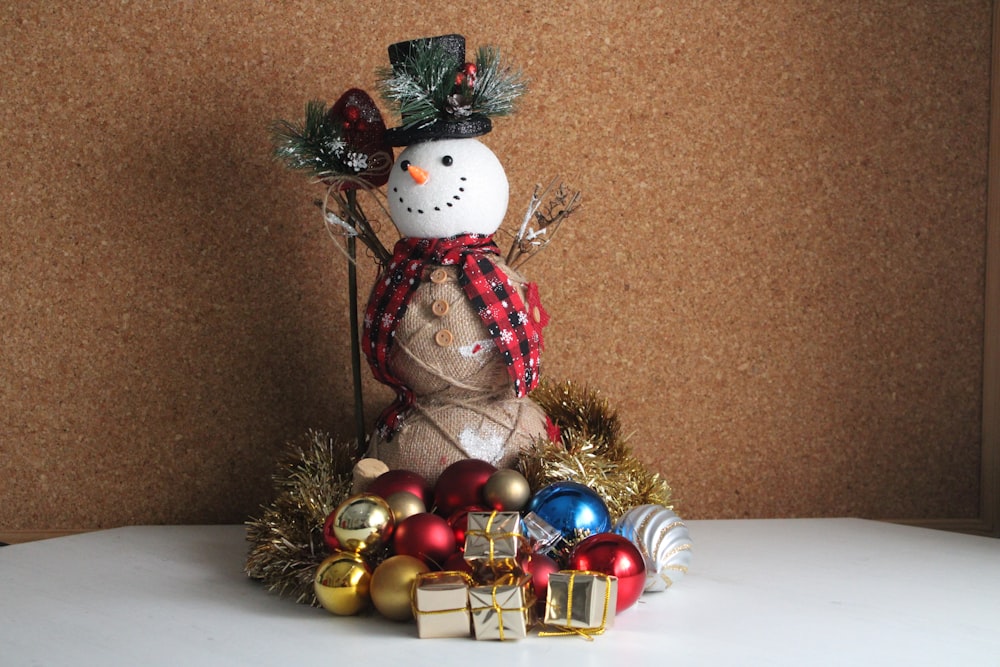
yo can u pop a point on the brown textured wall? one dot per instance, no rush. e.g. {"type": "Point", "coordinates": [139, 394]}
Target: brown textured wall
{"type": "Point", "coordinates": [776, 277]}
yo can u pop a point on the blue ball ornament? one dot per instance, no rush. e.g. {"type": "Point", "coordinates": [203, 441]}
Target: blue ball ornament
{"type": "Point", "coordinates": [574, 510]}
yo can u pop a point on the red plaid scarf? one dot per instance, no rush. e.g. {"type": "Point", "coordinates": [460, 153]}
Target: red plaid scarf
{"type": "Point", "coordinates": [489, 291]}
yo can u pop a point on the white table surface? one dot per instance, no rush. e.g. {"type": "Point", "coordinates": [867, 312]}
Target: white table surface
{"type": "Point", "coordinates": [760, 592]}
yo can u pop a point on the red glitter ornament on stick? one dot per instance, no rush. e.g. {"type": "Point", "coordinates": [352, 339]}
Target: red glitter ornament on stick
{"type": "Point", "coordinates": [363, 132]}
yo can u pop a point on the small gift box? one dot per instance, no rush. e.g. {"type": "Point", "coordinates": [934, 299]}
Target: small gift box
{"type": "Point", "coordinates": [493, 537]}
{"type": "Point", "coordinates": [542, 536]}
{"type": "Point", "coordinates": [441, 604]}
{"type": "Point", "coordinates": [581, 602]}
{"type": "Point", "coordinates": [503, 610]}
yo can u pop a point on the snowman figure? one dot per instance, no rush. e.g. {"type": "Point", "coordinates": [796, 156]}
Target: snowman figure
{"type": "Point", "coordinates": [449, 326]}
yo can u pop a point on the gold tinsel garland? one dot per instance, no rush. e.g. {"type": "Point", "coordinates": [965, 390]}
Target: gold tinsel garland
{"type": "Point", "coordinates": [316, 476]}
{"type": "Point", "coordinates": [592, 451]}
{"type": "Point", "coordinates": [287, 538]}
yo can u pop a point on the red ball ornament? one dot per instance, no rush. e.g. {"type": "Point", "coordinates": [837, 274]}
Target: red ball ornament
{"type": "Point", "coordinates": [395, 481]}
{"type": "Point", "coordinates": [459, 522]}
{"type": "Point", "coordinates": [609, 553]}
{"type": "Point", "coordinates": [539, 566]}
{"type": "Point", "coordinates": [461, 485]}
{"type": "Point", "coordinates": [332, 543]}
{"type": "Point", "coordinates": [425, 536]}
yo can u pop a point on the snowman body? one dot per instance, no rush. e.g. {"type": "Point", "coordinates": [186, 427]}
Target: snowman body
{"type": "Point", "coordinates": [463, 400]}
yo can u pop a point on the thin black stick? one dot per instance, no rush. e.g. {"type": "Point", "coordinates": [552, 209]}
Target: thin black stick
{"type": "Point", "coordinates": [352, 288]}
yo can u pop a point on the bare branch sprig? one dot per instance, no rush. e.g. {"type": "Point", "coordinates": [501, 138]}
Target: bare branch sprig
{"type": "Point", "coordinates": [347, 218]}
{"type": "Point", "coordinates": [546, 211]}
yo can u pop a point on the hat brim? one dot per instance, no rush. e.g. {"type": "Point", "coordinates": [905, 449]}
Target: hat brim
{"type": "Point", "coordinates": [472, 126]}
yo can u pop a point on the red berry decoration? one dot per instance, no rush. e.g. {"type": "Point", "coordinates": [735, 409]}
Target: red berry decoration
{"type": "Point", "coordinates": [613, 554]}
{"type": "Point", "coordinates": [470, 74]}
{"type": "Point", "coordinates": [460, 485]}
{"type": "Point", "coordinates": [425, 536]}
{"type": "Point", "coordinates": [395, 481]}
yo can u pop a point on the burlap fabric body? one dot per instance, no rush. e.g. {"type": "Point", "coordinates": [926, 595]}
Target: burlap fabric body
{"type": "Point", "coordinates": [465, 405]}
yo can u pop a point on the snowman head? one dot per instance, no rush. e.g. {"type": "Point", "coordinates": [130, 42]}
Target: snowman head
{"type": "Point", "coordinates": [447, 187]}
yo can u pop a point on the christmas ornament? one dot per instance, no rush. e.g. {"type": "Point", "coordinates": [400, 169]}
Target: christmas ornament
{"type": "Point", "coordinates": [447, 326]}
{"type": "Point", "coordinates": [394, 481]}
{"type": "Point", "coordinates": [404, 505]}
{"type": "Point", "coordinates": [572, 509]}
{"type": "Point", "coordinates": [365, 150]}
{"type": "Point", "coordinates": [363, 523]}
{"type": "Point", "coordinates": [540, 567]}
{"type": "Point", "coordinates": [663, 541]}
{"type": "Point", "coordinates": [391, 583]}
{"type": "Point", "coordinates": [342, 584]}
{"type": "Point", "coordinates": [427, 537]}
{"type": "Point", "coordinates": [612, 554]}
{"type": "Point", "coordinates": [329, 538]}
{"type": "Point", "coordinates": [459, 522]}
{"type": "Point", "coordinates": [461, 485]}
{"type": "Point", "coordinates": [457, 563]}
{"type": "Point", "coordinates": [506, 490]}
{"type": "Point", "coordinates": [345, 146]}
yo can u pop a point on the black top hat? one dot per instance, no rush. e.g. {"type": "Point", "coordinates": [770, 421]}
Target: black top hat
{"type": "Point", "coordinates": [436, 92]}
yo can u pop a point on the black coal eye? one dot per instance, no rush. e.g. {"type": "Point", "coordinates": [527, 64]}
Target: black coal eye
{"type": "Point", "coordinates": [447, 160]}
{"type": "Point", "coordinates": [404, 165]}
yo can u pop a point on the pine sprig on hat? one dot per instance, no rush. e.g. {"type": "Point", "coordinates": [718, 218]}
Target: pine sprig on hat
{"type": "Point", "coordinates": [497, 87]}
{"type": "Point", "coordinates": [427, 87]}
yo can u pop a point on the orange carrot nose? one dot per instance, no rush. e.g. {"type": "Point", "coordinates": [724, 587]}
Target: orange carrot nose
{"type": "Point", "coordinates": [418, 174]}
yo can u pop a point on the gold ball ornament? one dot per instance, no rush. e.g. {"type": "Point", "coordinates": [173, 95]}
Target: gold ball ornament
{"type": "Point", "coordinates": [342, 584]}
{"type": "Point", "coordinates": [506, 491]}
{"type": "Point", "coordinates": [404, 505]}
{"type": "Point", "coordinates": [391, 584]}
{"type": "Point", "coordinates": [363, 522]}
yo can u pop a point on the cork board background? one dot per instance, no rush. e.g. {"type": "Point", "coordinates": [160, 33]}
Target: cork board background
{"type": "Point", "coordinates": [777, 275]}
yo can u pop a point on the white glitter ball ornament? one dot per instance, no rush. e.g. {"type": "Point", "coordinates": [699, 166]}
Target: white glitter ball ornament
{"type": "Point", "coordinates": [663, 540]}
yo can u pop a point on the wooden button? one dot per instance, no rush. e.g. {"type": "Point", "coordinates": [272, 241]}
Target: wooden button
{"type": "Point", "coordinates": [439, 307]}
{"type": "Point", "coordinates": [439, 276]}
{"type": "Point", "coordinates": [444, 338]}
{"type": "Point", "coordinates": [536, 314]}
